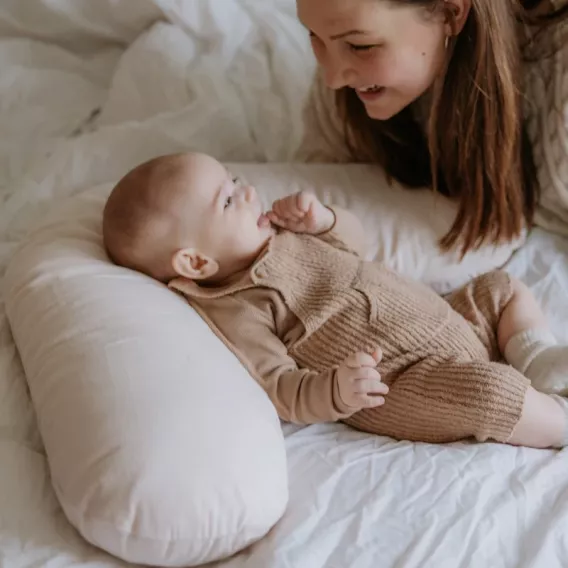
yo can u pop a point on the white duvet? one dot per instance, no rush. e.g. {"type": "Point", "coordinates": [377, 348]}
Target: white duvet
{"type": "Point", "coordinates": [89, 89]}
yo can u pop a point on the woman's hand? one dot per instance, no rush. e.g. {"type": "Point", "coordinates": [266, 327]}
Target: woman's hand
{"type": "Point", "coordinates": [301, 213]}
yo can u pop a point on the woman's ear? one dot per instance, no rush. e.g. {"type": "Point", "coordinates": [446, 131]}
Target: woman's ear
{"type": "Point", "coordinates": [460, 10]}
{"type": "Point", "coordinates": [191, 264]}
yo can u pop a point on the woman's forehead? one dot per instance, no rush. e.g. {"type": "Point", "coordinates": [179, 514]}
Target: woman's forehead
{"type": "Point", "coordinates": [331, 12]}
{"type": "Point", "coordinates": [340, 16]}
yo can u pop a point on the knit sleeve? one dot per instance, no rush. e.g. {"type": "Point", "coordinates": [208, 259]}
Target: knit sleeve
{"type": "Point", "coordinates": [347, 232]}
{"type": "Point", "coordinates": [249, 329]}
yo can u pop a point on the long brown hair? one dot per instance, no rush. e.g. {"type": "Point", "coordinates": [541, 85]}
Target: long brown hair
{"type": "Point", "coordinates": [476, 150]}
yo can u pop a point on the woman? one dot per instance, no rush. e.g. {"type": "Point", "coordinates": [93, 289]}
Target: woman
{"type": "Point", "coordinates": [434, 91]}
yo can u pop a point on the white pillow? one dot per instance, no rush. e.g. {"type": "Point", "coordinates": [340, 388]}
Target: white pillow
{"type": "Point", "coordinates": [162, 450]}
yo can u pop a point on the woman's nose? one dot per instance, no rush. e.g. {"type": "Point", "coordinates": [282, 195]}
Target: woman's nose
{"type": "Point", "coordinates": [337, 75]}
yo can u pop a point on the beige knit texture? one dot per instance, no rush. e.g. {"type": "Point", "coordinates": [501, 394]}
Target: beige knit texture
{"type": "Point", "coordinates": [444, 386]}
{"type": "Point", "coordinates": [445, 383]}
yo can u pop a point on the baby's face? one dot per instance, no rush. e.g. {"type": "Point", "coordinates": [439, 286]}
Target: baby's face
{"type": "Point", "coordinates": [222, 215]}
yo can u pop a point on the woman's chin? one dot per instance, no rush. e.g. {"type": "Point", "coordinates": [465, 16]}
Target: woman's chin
{"type": "Point", "coordinates": [385, 108]}
{"type": "Point", "coordinates": [382, 112]}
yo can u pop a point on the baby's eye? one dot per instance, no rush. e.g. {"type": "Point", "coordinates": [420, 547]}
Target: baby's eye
{"type": "Point", "coordinates": [228, 201]}
{"type": "Point", "coordinates": [237, 181]}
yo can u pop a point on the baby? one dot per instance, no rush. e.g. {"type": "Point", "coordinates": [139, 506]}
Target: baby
{"type": "Point", "coordinates": [328, 335]}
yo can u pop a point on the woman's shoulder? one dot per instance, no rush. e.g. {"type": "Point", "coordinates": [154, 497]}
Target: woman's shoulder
{"type": "Point", "coordinates": [546, 113]}
{"type": "Point", "coordinates": [545, 76]}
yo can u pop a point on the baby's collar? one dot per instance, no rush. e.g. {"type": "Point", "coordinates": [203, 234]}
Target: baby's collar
{"type": "Point", "coordinates": [241, 281]}
{"type": "Point", "coordinates": [192, 289]}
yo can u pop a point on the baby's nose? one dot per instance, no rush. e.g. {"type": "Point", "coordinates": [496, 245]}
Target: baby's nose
{"type": "Point", "coordinates": [250, 193]}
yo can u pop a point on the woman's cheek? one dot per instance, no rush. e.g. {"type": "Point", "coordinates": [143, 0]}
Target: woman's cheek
{"type": "Point", "coordinates": [376, 68]}
{"type": "Point", "coordinates": [318, 50]}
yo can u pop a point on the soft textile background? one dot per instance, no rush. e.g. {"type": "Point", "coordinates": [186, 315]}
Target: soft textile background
{"type": "Point", "coordinates": [89, 89]}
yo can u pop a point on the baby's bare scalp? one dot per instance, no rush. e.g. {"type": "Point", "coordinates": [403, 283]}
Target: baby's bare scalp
{"type": "Point", "coordinates": [139, 215]}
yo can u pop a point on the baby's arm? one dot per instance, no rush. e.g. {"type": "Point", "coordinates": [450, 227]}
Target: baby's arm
{"type": "Point", "coordinates": [304, 213]}
{"type": "Point", "coordinates": [300, 395]}
{"type": "Point", "coordinates": [346, 233]}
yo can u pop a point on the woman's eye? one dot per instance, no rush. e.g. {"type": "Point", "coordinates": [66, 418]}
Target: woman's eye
{"type": "Point", "coordinates": [313, 37]}
{"type": "Point", "coordinates": [228, 201]}
{"type": "Point", "coordinates": [354, 47]}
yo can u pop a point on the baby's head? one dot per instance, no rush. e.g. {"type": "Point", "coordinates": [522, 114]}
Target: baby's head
{"type": "Point", "coordinates": [184, 215]}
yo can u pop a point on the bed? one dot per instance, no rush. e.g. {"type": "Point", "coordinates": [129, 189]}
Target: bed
{"type": "Point", "coordinates": [81, 82]}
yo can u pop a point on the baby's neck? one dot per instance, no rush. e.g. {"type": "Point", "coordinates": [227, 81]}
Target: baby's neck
{"type": "Point", "coordinates": [231, 274]}
{"type": "Point", "coordinates": [221, 280]}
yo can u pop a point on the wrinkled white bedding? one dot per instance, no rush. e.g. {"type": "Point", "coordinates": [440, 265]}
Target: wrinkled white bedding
{"type": "Point", "coordinates": [87, 90]}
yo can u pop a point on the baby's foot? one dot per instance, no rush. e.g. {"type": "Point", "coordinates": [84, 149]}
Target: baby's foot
{"type": "Point", "coordinates": [536, 354]}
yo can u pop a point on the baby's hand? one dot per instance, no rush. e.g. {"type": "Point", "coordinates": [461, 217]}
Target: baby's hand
{"type": "Point", "coordinates": [359, 381]}
{"type": "Point", "coordinates": [301, 213]}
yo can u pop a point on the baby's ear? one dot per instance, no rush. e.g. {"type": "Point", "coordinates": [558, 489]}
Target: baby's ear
{"type": "Point", "coordinates": [190, 263]}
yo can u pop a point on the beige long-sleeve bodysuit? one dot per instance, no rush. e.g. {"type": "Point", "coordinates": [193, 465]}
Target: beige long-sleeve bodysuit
{"type": "Point", "coordinates": [308, 302]}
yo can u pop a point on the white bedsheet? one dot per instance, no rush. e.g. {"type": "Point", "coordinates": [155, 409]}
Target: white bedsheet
{"type": "Point", "coordinates": [85, 93]}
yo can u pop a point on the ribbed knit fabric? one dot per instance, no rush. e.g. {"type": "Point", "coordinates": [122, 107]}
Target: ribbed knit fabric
{"type": "Point", "coordinates": [481, 303]}
{"type": "Point", "coordinates": [443, 384]}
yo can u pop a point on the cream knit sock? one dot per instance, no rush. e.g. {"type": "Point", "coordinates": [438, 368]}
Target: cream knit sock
{"type": "Point", "coordinates": [535, 353]}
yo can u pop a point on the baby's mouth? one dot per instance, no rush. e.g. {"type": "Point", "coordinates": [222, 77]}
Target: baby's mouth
{"type": "Point", "coordinates": [263, 221]}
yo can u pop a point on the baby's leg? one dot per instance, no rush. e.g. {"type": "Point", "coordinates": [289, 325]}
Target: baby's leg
{"type": "Point", "coordinates": [509, 322]}
{"type": "Point", "coordinates": [529, 346]}
{"type": "Point", "coordinates": [440, 400]}
{"type": "Point", "coordinates": [543, 422]}
{"type": "Point", "coordinates": [445, 400]}
{"type": "Point", "coordinates": [521, 313]}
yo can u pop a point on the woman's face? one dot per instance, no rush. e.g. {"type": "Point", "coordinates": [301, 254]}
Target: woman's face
{"type": "Point", "coordinates": [389, 53]}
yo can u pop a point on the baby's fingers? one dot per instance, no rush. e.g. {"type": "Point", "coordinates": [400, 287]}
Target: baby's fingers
{"type": "Point", "coordinates": [360, 359]}
{"type": "Point", "coordinates": [377, 355]}
{"type": "Point", "coordinates": [279, 210]}
{"type": "Point", "coordinates": [369, 401]}
{"type": "Point", "coordinates": [304, 202]}
{"type": "Point", "coordinates": [276, 220]}
{"type": "Point", "coordinates": [370, 386]}
{"type": "Point", "coordinates": [287, 209]}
